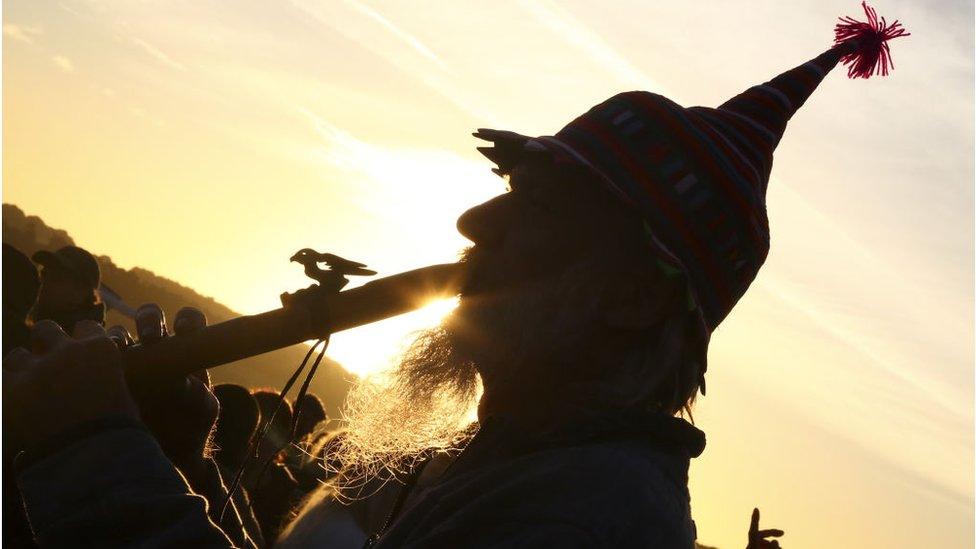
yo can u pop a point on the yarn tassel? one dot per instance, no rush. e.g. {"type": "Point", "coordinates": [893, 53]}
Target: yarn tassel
{"type": "Point", "coordinates": [870, 40]}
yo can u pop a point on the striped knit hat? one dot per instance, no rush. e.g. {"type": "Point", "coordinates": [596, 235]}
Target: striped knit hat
{"type": "Point", "coordinates": [698, 175]}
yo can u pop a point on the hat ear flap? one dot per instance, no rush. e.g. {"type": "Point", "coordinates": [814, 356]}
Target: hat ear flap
{"type": "Point", "coordinates": [637, 301]}
{"type": "Point", "coordinates": [507, 149]}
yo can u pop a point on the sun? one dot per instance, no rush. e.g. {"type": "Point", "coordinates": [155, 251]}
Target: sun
{"type": "Point", "coordinates": [373, 348]}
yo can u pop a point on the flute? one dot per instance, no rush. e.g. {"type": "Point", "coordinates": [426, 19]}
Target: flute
{"type": "Point", "coordinates": [308, 314]}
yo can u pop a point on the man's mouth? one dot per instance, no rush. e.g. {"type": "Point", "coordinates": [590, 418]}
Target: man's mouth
{"type": "Point", "coordinates": [487, 275]}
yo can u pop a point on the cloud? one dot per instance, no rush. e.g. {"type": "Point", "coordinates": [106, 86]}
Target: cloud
{"type": "Point", "coordinates": [401, 34]}
{"type": "Point", "coordinates": [22, 33]}
{"type": "Point", "coordinates": [69, 9]}
{"type": "Point", "coordinates": [389, 26]}
{"type": "Point", "coordinates": [442, 81]}
{"type": "Point", "coordinates": [140, 112]}
{"type": "Point", "coordinates": [63, 63]}
{"type": "Point", "coordinates": [158, 55]}
{"type": "Point", "coordinates": [570, 29]}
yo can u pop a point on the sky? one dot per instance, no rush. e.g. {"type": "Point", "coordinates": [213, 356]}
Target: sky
{"type": "Point", "coordinates": [208, 141]}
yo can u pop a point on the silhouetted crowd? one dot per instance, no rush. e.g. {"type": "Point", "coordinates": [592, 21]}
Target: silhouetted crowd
{"type": "Point", "coordinates": [265, 452]}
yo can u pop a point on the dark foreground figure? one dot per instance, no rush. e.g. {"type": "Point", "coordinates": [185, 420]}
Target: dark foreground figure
{"type": "Point", "coordinates": [595, 285]}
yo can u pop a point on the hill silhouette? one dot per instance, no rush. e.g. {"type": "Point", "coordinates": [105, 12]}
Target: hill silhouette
{"type": "Point", "coordinates": [137, 286]}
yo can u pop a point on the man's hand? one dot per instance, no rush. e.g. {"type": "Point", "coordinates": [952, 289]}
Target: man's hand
{"type": "Point", "coordinates": [181, 412]}
{"type": "Point", "coordinates": [63, 381]}
{"type": "Point", "coordinates": [757, 537]}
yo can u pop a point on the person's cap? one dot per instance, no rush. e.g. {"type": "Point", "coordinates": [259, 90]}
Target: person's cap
{"type": "Point", "coordinates": [698, 175]}
{"type": "Point", "coordinates": [73, 260]}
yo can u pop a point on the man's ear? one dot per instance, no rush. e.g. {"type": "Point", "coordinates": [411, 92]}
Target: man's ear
{"type": "Point", "coordinates": [636, 301]}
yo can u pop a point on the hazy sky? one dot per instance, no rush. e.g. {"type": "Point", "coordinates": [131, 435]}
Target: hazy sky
{"type": "Point", "coordinates": [209, 140]}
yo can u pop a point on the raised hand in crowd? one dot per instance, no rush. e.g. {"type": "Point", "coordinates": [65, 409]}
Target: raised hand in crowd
{"type": "Point", "coordinates": [63, 382]}
{"type": "Point", "coordinates": [180, 412]}
{"type": "Point", "coordinates": [757, 537]}
{"type": "Point", "coordinates": [85, 475]}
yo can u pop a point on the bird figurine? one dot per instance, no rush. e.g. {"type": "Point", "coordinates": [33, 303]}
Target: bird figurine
{"type": "Point", "coordinates": [333, 278]}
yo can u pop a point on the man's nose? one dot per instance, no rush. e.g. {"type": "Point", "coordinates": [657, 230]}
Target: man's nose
{"type": "Point", "coordinates": [485, 224]}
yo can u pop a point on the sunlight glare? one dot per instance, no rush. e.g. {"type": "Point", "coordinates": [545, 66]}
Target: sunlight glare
{"type": "Point", "coordinates": [373, 348]}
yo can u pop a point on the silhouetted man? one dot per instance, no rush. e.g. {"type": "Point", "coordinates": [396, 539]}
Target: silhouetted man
{"type": "Point", "coordinates": [595, 283]}
{"type": "Point", "coordinates": [20, 286]}
{"type": "Point", "coordinates": [236, 424]}
{"type": "Point", "coordinates": [272, 486]}
{"type": "Point", "coordinates": [311, 412]}
{"type": "Point", "coordinates": [279, 433]}
{"type": "Point", "coordinates": [69, 284]}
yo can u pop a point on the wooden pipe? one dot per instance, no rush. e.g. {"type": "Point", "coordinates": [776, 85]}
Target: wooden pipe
{"type": "Point", "coordinates": [307, 314]}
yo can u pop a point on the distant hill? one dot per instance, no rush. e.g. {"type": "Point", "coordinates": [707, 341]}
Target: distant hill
{"type": "Point", "coordinates": [137, 286]}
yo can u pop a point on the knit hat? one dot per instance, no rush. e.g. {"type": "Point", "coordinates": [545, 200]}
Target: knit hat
{"type": "Point", "coordinates": [698, 175]}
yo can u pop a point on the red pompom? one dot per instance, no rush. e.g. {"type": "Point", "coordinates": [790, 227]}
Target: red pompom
{"type": "Point", "coordinates": [871, 54]}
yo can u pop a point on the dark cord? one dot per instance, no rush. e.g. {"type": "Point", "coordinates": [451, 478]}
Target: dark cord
{"type": "Point", "coordinates": [263, 432]}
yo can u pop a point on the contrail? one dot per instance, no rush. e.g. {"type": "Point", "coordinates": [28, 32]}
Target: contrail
{"type": "Point", "coordinates": [411, 40]}
{"type": "Point", "coordinates": [570, 29]}
{"type": "Point", "coordinates": [157, 54]}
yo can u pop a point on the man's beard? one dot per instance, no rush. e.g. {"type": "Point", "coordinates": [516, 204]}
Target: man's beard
{"type": "Point", "coordinates": [398, 417]}
{"type": "Point", "coordinates": [429, 400]}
